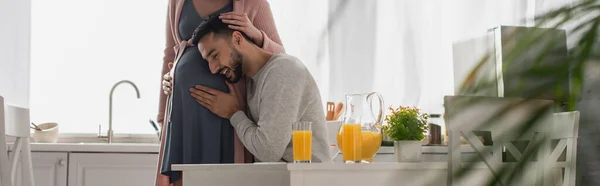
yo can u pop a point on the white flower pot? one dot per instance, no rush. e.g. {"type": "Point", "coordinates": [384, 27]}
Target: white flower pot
{"type": "Point", "coordinates": [408, 151]}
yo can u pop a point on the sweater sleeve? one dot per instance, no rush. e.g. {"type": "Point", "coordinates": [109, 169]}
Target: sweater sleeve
{"type": "Point", "coordinates": [263, 21]}
{"type": "Point", "coordinates": [169, 56]}
{"type": "Point", "coordinates": [281, 106]}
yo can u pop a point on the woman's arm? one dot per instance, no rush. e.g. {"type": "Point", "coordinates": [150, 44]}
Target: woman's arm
{"type": "Point", "coordinates": [263, 20]}
{"type": "Point", "coordinates": [257, 23]}
{"type": "Point", "coordinates": [169, 56]}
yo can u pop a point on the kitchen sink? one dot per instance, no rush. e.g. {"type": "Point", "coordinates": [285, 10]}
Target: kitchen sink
{"type": "Point", "coordinates": [117, 139]}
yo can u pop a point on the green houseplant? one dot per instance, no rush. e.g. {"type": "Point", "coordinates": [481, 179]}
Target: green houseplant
{"type": "Point", "coordinates": [406, 127]}
{"type": "Point", "coordinates": [584, 17]}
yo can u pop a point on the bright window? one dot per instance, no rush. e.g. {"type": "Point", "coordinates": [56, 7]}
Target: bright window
{"type": "Point", "coordinates": [80, 48]}
{"type": "Point", "coordinates": [403, 50]}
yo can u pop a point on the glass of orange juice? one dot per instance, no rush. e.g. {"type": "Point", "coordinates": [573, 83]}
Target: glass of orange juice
{"type": "Point", "coordinates": [302, 141]}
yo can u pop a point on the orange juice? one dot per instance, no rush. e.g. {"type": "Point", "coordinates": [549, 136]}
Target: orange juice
{"type": "Point", "coordinates": [371, 142]}
{"type": "Point", "coordinates": [302, 145]}
{"type": "Point", "coordinates": [352, 142]}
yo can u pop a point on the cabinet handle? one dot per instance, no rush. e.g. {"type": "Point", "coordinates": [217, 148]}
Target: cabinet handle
{"type": "Point", "coordinates": [62, 162]}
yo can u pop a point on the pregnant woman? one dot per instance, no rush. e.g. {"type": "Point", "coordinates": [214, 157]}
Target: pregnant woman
{"type": "Point", "coordinates": [192, 134]}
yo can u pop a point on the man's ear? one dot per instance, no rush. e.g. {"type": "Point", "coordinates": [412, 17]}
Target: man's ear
{"type": "Point", "coordinates": [237, 38]}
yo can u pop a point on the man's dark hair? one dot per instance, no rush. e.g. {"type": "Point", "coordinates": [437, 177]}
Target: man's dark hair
{"type": "Point", "coordinates": [212, 24]}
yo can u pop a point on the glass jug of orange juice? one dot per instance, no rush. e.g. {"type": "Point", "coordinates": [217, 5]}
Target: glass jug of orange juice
{"type": "Point", "coordinates": [359, 137]}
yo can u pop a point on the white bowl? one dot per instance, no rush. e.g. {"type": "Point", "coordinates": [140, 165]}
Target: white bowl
{"type": "Point", "coordinates": [48, 134]}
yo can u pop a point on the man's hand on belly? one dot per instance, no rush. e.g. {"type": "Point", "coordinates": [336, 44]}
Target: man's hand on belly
{"type": "Point", "coordinates": [220, 103]}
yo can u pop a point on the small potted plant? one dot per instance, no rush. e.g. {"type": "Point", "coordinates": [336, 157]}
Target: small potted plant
{"type": "Point", "coordinates": [406, 127]}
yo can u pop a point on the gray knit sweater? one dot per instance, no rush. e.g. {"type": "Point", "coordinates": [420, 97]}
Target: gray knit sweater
{"type": "Point", "coordinates": [281, 93]}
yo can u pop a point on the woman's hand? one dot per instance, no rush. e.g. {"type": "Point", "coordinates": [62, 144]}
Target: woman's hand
{"type": "Point", "coordinates": [166, 82]}
{"type": "Point", "coordinates": [240, 22]}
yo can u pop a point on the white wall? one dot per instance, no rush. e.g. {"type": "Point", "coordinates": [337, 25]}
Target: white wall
{"type": "Point", "coordinates": [15, 31]}
{"type": "Point", "coordinates": [403, 49]}
{"type": "Point", "coordinates": [301, 25]}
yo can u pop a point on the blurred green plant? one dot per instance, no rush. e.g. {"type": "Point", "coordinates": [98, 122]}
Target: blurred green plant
{"type": "Point", "coordinates": [405, 123]}
{"type": "Point", "coordinates": [584, 18]}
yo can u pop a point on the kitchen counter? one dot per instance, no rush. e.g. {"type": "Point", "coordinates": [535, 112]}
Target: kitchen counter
{"type": "Point", "coordinates": [154, 148]}
{"type": "Point", "coordinates": [132, 147]}
{"type": "Point", "coordinates": [427, 150]}
{"type": "Point", "coordinates": [88, 142]}
{"type": "Point", "coordinates": [323, 174]}
{"type": "Point", "coordinates": [150, 148]}
{"type": "Point", "coordinates": [62, 164]}
{"type": "Point", "coordinates": [147, 143]}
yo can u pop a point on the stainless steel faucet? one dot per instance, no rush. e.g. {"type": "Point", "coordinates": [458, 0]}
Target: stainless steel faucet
{"type": "Point", "coordinates": [110, 131]}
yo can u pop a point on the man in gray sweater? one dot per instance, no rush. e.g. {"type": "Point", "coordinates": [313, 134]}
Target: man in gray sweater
{"type": "Point", "coordinates": [280, 91]}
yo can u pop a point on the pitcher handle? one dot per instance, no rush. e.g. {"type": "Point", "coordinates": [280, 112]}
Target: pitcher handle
{"type": "Point", "coordinates": [381, 109]}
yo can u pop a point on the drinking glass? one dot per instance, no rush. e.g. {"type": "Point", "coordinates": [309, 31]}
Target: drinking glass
{"type": "Point", "coordinates": [302, 141]}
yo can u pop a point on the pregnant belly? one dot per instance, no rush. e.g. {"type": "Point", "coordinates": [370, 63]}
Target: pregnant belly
{"type": "Point", "coordinates": [192, 70]}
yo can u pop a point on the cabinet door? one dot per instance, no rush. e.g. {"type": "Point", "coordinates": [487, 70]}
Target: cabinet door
{"type": "Point", "coordinates": [49, 169]}
{"type": "Point", "coordinates": [115, 169]}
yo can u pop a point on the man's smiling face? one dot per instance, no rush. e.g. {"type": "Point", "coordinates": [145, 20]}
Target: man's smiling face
{"type": "Point", "coordinates": [222, 57]}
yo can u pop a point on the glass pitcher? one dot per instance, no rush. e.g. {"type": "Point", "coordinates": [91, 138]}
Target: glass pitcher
{"type": "Point", "coordinates": [359, 137]}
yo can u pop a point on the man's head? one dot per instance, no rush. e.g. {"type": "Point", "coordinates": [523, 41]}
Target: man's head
{"type": "Point", "coordinates": [221, 46]}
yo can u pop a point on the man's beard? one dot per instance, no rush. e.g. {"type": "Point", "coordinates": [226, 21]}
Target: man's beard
{"type": "Point", "coordinates": [236, 63]}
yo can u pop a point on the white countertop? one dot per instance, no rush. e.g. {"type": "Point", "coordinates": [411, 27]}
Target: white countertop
{"type": "Point", "coordinates": [88, 142]}
{"type": "Point", "coordinates": [148, 143]}
{"type": "Point", "coordinates": [95, 147]}
{"type": "Point", "coordinates": [275, 166]}
{"type": "Point", "coordinates": [281, 166]}
{"type": "Point", "coordinates": [426, 149]}
{"type": "Point", "coordinates": [367, 166]}
{"type": "Point", "coordinates": [154, 148]}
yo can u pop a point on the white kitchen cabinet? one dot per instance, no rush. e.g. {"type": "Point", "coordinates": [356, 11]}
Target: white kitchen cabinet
{"type": "Point", "coordinates": [49, 169]}
{"type": "Point", "coordinates": [101, 169]}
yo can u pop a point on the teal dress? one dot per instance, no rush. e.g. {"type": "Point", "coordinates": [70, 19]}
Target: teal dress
{"type": "Point", "coordinates": [195, 135]}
